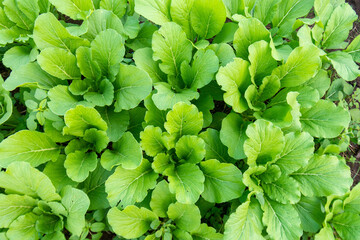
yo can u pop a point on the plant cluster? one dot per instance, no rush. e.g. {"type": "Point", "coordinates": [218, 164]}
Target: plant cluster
{"type": "Point", "coordinates": [178, 119]}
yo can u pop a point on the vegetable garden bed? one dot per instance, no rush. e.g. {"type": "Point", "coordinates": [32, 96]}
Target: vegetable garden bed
{"type": "Point", "coordinates": [179, 119]}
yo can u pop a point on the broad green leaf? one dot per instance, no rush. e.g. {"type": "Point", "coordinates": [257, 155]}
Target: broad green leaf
{"type": "Point", "coordinates": [104, 95]}
{"type": "Point", "coordinates": [298, 149]}
{"type": "Point", "coordinates": [162, 163]}
{"type": "Point", "coordinates": [234, 79]}
{"type": "Point", "coordinates": [284, 190]}
{"type": "Point", "coordinates": [157, 11]}
{"type": "Point", "coordinates": [214, 147]}
{"type": "Point", "coordinates": [186, 216]}
{"type": "Point", "coordinates": [137, 116]}
{"type": "Point", "coordinates": [352, 202]}
{"type": "Point", "coordinates": [338, 27]}
{"type": "Point", "coordinates": [18, 56]}
{"type": "Point", "coordinates": [184, 119]}
{"type": "Point", "coordinates": [223, 181]}
{"type": "Point", "coordinates": [323, 175]}
{"type": "Point", "coordinates": [79, 164]}
{"type": "Point", "coordinates": [282, 221]}
{"type": "Point", "coordinates": [288, 11]}
{"type": "Point", "coordinates": [117, 7]}
{"type": "Point", "coordinates": [88, 67]}
{"type": "Point", "coordinates": [205, 103]}
{"type": "Point", "coordinates": [310, 213]}
{"type": "Point", "coordinates": [143, 59]}
{"type": "Point", "coordinates": [327, 233]}
{"type": "Point", "coordinates": [207, 19]}
{"type": "Point", "coordinates": [117, 122]}
{"type": "Point", "coordinates": [226, 34]}
{"type": "Point", "coordinates": [232, 135]}
{"type": "Point", "coordinates": [130, 186]}
{"type": "Point", "coordinates": [101, 20]}
{"type": "Point", "coordinates": [76, 203]}
{"type": "Point", "coordinates": [344, 65]}
{"type": "Point", "coordinates": [266, 10]}
{"type": "Point", "coordinates": [108, 51]}
{"type": "Point", "coordinates": [59, 63]}
{"type": "Point", "coordinates": [190, 149]}
{"type": "Point", "coordinates": [132, 85]}
{"type": "Point", "coordinates": [6, 104]}
{"type": "Point", "coordinates": [48, 223]}
{"type": "Point", "coordinates": [23, 227]}
{"type": "Point", "coordinates": [165, 97]}
{"type": "Point", "coordinates": [204, 232]}
{"type": "Point", "coordinates": [48, 32]}
{"type": "Point", "coordinates": [250, 31]}
{"type": "Point", "coordinates": [264, 144]}
{"type": "Point", "coordinates": [21, 178]}
{"type": "Point", "coordinates": [224, 52]}
{"type": "Point", "coordinates": [261, 61]}
{"type": "Point", "coordinates": [269, 87]}
{"type": "Point", "coordinates": [132, 222]}
{"type": "Point", "coordinates": [302, 64]}
{"type": "Point", "coordinates": [30, 74]}
{"type": "Point", "coordinates": [61, 100]}
{"type": "Point", "coordinates": [161, 198]}
{"type": "Point", "coordinates": [347, 225]}
{"type": "Point", "coordinates": [187, 182]}
{"type": "Point", "coordinates": [272, 174]}
{"type": "Point", "coordinates": [29, 146]}
{"type": "Point", "coordinates": [76, 9]}
{"type": "Point", "coordinates": [180, 13]}
{"type": "Point", "coordinates": [144, 37]}
{"type": "Point", "coordinates": [354, 49]}
{"type": "Point", "coordinates": [126, 151]}
{"type": "Point", "coordinates": [12, 206]}
{"type": "Point", "coordinates": [245, 223]}
{"type": "Point", "coordinates": [81, 118]}
{"type": "Point", "coordinates": [171, 47]}
{"type": "Point", "coordinates": [152, 141]}
{"type": "Point", "coordinates": [23, 13]}
{"type": "Point", "coordinates": [324, 119]}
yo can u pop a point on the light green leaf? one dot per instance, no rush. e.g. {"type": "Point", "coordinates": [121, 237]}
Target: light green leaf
{"type": "Point", "coordinates": [143, 59]}
{"type": "Point", "coordinates": [152, 141]}
{"type": "Point", "coordinates": [302, 64]}
{"type": "Point", "coordinates": [23, 13]}
{"type": "Point", "coordinates": [347, 225]}
{"type": "Point", "coordinates": [78, 165]}
{"type": "Point", "coordinates": [226, 34]}
{"type": "Point", "coordinates": [81, 118]}
{"type": "Point", "coordinates": [76, 203]}
{"type": "Point", "coordinates": [232, 135]}
{"type": "Point", "coordinates": [190, 149]}
{"type": "Point", "coordinates": [171, 47]}
{"type": "Point", "coordinates": [214, 147]}
{"type": "Point", "coordinates": [354, 49]}
{"type": "Point", "coordinates": [162, 163]}
{"type": "Point", "coordinates": [224, 52]}
{"type": "Point", "coordinates": [282, 221]}
{"type": "Point", "coordinates": [116, 6]}
{"type": "Point", "coordinates": [234, 79]}
{"type": "Point", "coordinates": [48, 32]}
{"type": "Point", "coordinates": [18, 56]}
{"type": "Point", "coordinates": [245, 223]}
{"type": "Point", "coordinates": [76, 9]}
{"type": "Point", "coordinates": [157, 11]}
{"type": "Point", "coordinates": [261, 61]}
{"type": "Point", "coordinates": [97, 138]}
{"type": "Point", "coordinates": [130, 186]}
{"type": "Point", "coordinates": [126, 151]}
{"type": "Point", "coordinates": [223, 181]}
{"type": "Point", "coordinates": [12, 206]}
{"type": "Point", "coordinates": [161, 198]}
{"type": "Point", "coordinates": [186, 216]}
{"type": "Point", "coordinates": [207, 19]}
{"type": "Point", "coordinates": [21, 178]}
{"type": "Point", "coordinates": [324, 119]}
{"type": "Point", "coordinates": [269, 87]}
{"type": "Point", "coordinates": [324, 175]}
{"type": "Point", "coordinates": [327, 233]}
{"type": "Point", "coordinates": [298, 149]}
{"type": "Point", "coordinates": [310, 213]}
{"type": "Point", "coordinates": [88, 67]}
{"type": "Point", "coordinates": [250, 31]}
{"type": "Point", "coordinates": [132, 222]}
{"type": "Point", "coordinates": [117, 122]}
{"type": "Point", "coordinates": [59, 63]}
{"type": "Point", "coordinates": [266, 10]}
{"type": "Point", "coordinates": [23, 227]}
{"type": "Point", "coordinates": [352, 202]}
{"type": "Point", "coordinates": [48, 223]}
{"type": "Point", "coordinates": [180, 13]}
{"type": "Point", "coordinates": [165, 97]}
{"type": "Point", "coordinates": [29, 146]}
{"type": "Point", "coordinates": [265, 142]}
{"type": "Point", "coordinates": [132, 85]}
{"type": "Point", "coordinates": [344, 65]}
{"type": "Point", "coordinates": [108, 51]}
{"type": "Point", "coordinates": [284, 190]}
{"type": "Point", "coordinates": [338, 27]}
{"type": "Point", "coordinates": [184, 119]}
{"type": "Point", "coordinates": [204, 232]}
{"type": "Point", "coordinates": [104, 95]}
{"type": "Point", "coordinates": [144, 37]}
{"type": "Point", "coordinates": [187, 182]}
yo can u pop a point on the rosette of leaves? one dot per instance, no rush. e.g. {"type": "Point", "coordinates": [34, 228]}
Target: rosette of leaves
{"type": "Point", "coordinates": [31, 208]}
{"type": "Point", "coordinates": [165, 219]}
{"type": "Point", "coordinates": [286, 181]}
